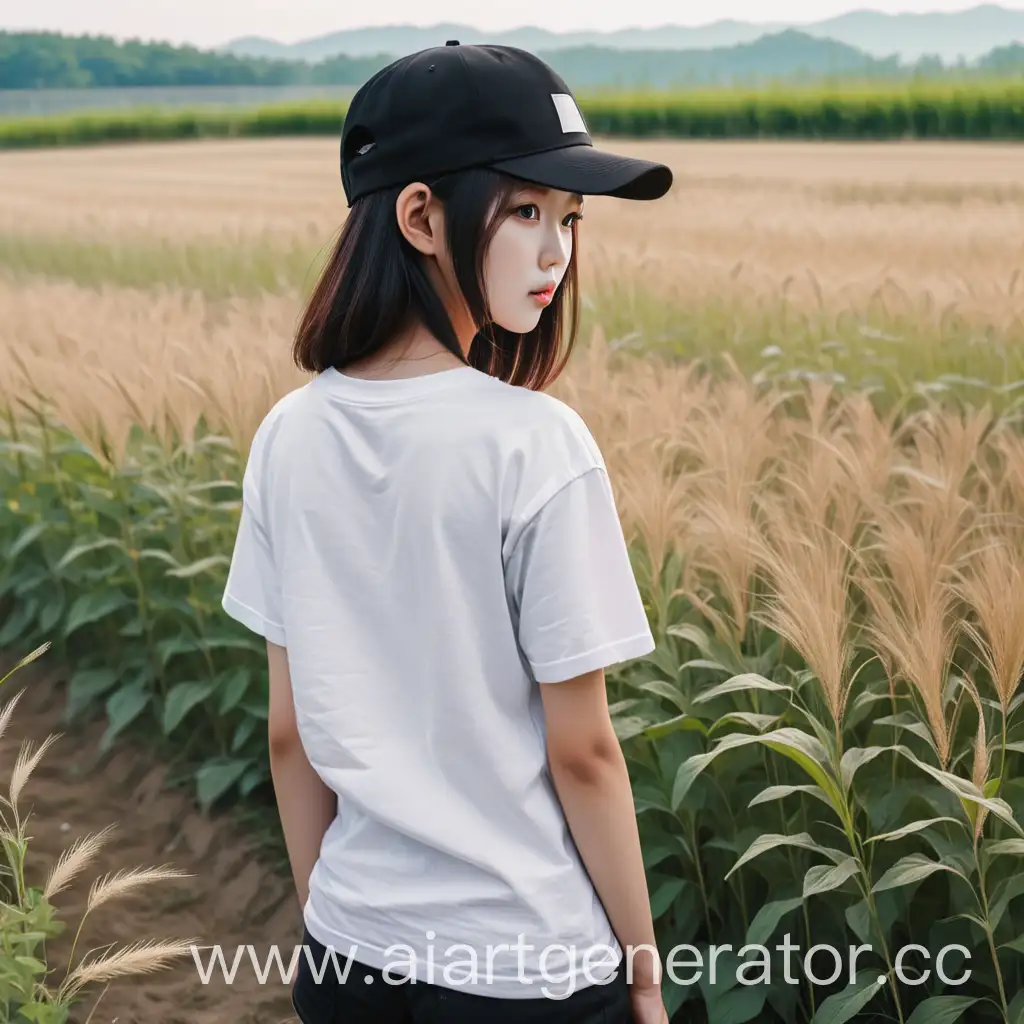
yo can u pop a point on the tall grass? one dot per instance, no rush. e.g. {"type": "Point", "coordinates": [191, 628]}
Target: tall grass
{"type": "Point", "coordinates": [891, 269]}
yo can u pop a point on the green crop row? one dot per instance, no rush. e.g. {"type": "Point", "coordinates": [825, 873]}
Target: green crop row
{"type": "Point", "coordinates": [146, 125]}
{"type": "Point", "coordinates": [989, 111]}
{"type": "Point", "coordinates": [981, 110]}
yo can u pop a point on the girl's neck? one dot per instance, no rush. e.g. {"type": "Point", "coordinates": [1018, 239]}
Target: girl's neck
{"type": "Point", "coordinates": [411, 355]}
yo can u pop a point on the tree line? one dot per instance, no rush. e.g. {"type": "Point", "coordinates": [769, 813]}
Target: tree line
{"type": "Point", "coordinates": [52, 61]}
{"type": "Point", "coordinates": [44, 60]}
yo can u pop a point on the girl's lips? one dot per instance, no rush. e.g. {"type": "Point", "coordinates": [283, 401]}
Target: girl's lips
{"type": "Point", "coordinates": [544, 296]}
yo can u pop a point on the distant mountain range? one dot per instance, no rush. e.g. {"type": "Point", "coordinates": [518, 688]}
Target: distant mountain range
{"type": "Point", "coordinates": [962, 35]}
{"type": "Point", "coordinates": [51, 61]}
{"type": "Point", "coordinates": [787, 55]}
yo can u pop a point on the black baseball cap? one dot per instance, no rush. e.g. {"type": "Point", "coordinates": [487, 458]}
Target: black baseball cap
{"type": "Point", "coordinates": [452, 107]}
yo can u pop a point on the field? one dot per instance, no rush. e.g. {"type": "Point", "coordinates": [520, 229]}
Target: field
{"type": "Point", "coordinates": [878, 263]}
{"type": "Point", "coordinates": [978, 109]}
{"type": "Point", "coordinates": [805, 367]}
{"type": "Point", "coordinates": [49, 102]}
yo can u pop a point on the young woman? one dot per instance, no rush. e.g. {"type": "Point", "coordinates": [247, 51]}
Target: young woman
{"type": "Point", "coordinates": [430, 546]}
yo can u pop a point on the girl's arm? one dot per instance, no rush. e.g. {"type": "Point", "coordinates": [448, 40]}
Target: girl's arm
{"type": "Point", "coordinates": [589, 774]}
{"type": "Point", "coordinates": [305, 804]}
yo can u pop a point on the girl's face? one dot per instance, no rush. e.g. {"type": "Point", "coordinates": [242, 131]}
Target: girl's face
{"type": "Point", "coordinates": [530, 251]}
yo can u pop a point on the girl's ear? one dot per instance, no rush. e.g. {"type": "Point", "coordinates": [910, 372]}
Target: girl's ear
{"type": "Point", "coordinates": [419, 219]}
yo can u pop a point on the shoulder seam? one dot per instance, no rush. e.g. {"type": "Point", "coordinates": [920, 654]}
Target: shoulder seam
{"type": "Point", "coordinates": [549, 497]}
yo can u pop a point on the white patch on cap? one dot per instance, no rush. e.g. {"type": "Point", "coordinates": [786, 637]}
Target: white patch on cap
{"type": "Point", "coordinates": [568, 113]}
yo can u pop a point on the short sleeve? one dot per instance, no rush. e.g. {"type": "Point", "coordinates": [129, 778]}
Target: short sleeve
{"type": "Point", "coordinates": [252, 594]}
{"type": "Point", "coordinates": [571, 587]}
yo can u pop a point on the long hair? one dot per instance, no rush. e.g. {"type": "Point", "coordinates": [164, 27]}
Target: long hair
{"type": "Point", "coordinates": [375, 284]}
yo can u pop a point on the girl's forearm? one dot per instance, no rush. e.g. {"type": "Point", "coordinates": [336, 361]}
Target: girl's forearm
{"type": "Point", "coordinates": [601, 815]}
{"type": "Point", "coordinates": [306, 806]}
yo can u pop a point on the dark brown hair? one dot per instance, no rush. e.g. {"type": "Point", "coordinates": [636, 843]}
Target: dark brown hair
{"type": "Point", "coordinates": [375, 283]}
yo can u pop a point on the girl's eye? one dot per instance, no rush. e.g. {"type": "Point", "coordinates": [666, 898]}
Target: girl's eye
{"type": "Point", "coordinates": [571, 218]}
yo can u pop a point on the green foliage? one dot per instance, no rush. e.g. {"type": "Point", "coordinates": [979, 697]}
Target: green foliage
{"type": "Point", "coordinates": [46, 60]}
{"type": "Point", "coordinates": [921, 110]}
{"type": "Point", "coordinates": [903, 353]}
{"type": "Point", "coordinates": [788, 55]}
{"type": "Point", "coordinates": [313, 118]}
{"type": "Point", "coordinates": [892, 110]}
{"type": "Point", "coordinates": [123, 566]}
{"type": "Point", "coordinates": [1004, 60]}
{"type": "Point", "coordinates": [761, 821]}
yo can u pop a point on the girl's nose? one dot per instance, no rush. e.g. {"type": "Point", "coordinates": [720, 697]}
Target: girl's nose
{"type": "Point", "coordinates": [556, 251]}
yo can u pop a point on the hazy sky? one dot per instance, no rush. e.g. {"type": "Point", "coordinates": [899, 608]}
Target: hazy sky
{"type": "Point", "coordinates": [211, 22]}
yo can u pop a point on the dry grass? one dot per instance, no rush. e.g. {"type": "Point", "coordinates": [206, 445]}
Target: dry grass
{"type": "Point", "coordinates": [821, 500]}
{"type": "Point", "coordinates": [814, 497]}
{"type": "Point", "coordinates": [817, 494]}
{"type": "Point", "coordinates": [113, 358]}
{"type": "Point", "coordinates": [917, 226]}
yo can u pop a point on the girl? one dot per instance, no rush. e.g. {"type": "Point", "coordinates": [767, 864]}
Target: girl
{"type": "Point", "coordinates": [430, 546]}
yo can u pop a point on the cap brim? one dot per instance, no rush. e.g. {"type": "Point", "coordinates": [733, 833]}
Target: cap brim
{"type": "Point", "coordinates": [591, 172]}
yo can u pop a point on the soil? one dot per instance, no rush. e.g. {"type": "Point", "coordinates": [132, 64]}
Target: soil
{"type": "Point", "coordinates": [237, 895]}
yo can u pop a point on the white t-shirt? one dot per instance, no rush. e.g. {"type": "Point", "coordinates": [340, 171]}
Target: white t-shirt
{"type": "Point", "coordinates": [429, 550]}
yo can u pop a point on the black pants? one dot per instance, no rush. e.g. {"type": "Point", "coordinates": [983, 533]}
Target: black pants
{"type": "Point", "coordinates": [384, 1001]}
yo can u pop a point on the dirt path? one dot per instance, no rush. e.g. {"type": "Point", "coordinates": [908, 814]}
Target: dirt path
{"type": "Point", "coordinates": [235, 897]}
